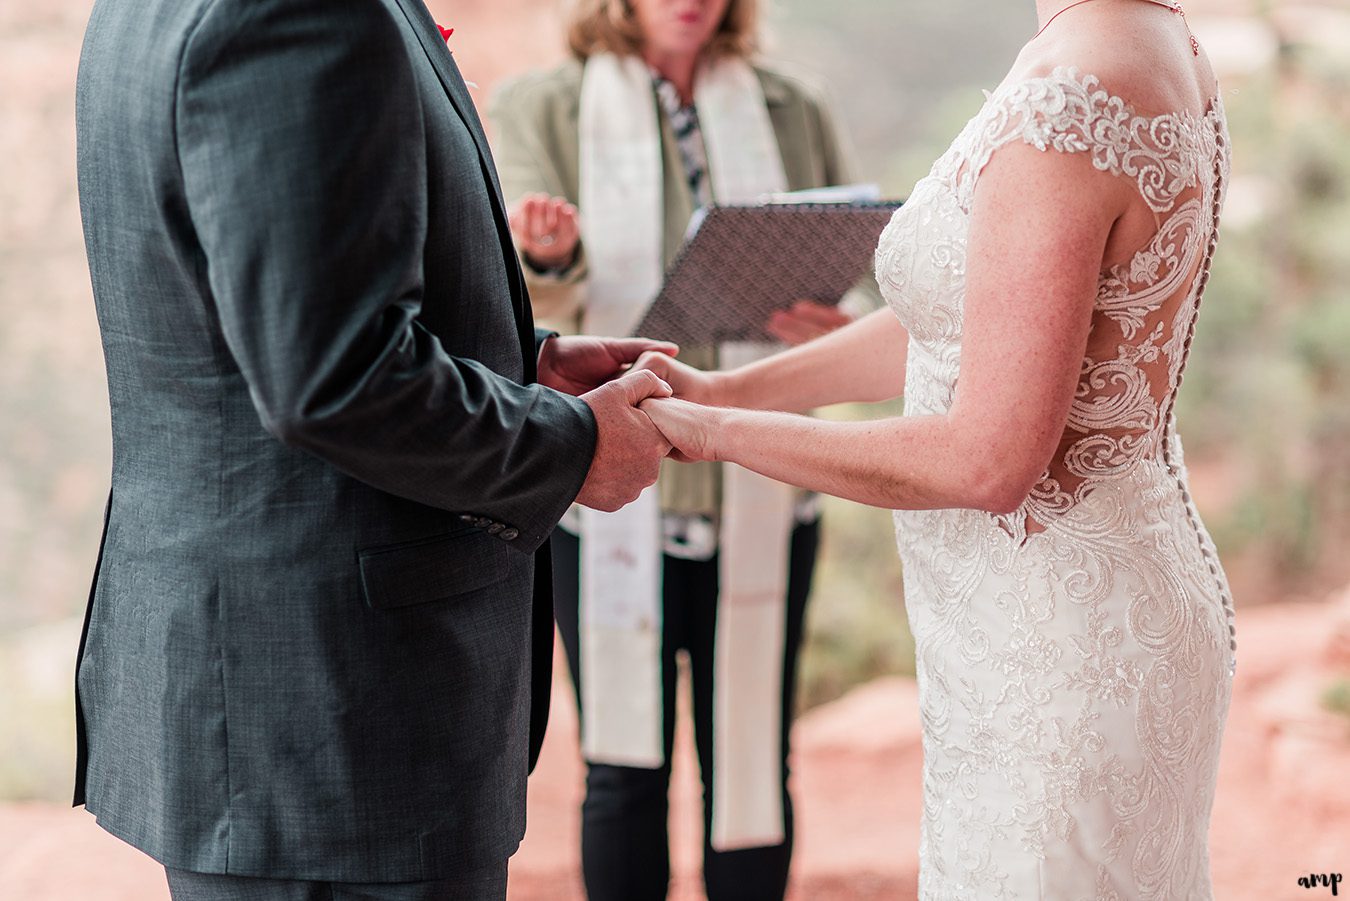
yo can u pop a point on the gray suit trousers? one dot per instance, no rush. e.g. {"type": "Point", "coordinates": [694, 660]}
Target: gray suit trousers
{"type": "Point", "coordinates": [485, 884]}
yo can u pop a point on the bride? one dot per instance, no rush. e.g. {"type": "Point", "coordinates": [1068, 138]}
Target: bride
{"type": "Point", "coordinates": [1074, 628]}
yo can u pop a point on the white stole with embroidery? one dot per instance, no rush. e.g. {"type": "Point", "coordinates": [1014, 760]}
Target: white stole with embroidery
{"type": "Point", "coordinates": [620, 618]}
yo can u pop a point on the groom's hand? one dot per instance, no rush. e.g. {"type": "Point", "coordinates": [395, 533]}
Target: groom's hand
{"type": "Point", "coordinates": [577, 365]}
{"type": "Point", "coordinates": [629, 448]}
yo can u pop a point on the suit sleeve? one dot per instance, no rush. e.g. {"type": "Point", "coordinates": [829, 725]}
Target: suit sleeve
{"type": "Point", "coordinates": [303, 159]}
{"type": "Point", "coordinates": [540, 336]}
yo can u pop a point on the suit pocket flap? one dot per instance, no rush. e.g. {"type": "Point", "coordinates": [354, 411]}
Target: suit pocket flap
{"type": "Point", "coordinates": [432, 569]}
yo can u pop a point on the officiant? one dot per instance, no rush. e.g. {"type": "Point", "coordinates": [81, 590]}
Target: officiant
{"type": "Point", "coordinates": [665, 109]}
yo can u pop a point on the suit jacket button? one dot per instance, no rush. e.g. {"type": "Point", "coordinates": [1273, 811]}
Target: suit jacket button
{"type": "Point", "coordinates": [495, 528]}
{"type": "Point", "coordinates": [510, 534]}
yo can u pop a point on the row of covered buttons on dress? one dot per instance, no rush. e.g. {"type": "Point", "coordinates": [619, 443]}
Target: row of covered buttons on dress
{"type": "Point", "coordinates": [1215, 212]}
{"type": "Point", "coordinates": [1202, 282]}
{"type": "Point", "coordinates": [491, 526]}
{"type": "Point", "coordinates": [1225, 598]}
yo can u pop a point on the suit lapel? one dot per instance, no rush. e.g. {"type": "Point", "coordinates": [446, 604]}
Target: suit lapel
{"type": "Point", "coordinates": [424, 26]}
{"type": "Point", "coordinates": [430, 37]}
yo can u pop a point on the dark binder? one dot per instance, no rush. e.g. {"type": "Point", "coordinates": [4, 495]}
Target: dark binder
{"type": "Point", "coordinates": [744, 262]}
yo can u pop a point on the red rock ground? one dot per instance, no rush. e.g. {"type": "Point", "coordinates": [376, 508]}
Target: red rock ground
{"type": "Point", "coordinates": [1283, 806]}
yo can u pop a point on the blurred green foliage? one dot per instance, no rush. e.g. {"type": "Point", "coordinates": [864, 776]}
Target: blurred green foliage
{"type": "Point", "coordinates": [1337, 698]}
{"type": "Point", "coordinates": [1268, 386]}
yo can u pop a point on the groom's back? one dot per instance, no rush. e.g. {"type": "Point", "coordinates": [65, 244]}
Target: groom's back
{"type": "Point", "coordinates": [190, 451]}
{"type": "Point", "coordinates": [168, 371]}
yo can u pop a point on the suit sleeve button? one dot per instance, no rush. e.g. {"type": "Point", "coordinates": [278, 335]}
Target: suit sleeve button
{"type": "Point", "coordinates": [467, 517]}
{"type": "Point", "coordinates": [510, 534]}
{"type": "Point", "coordinates": [495, 528]}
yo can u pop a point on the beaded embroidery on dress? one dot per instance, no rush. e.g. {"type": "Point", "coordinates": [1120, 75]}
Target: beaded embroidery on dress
{"type": "Point", "coordinates": [1075, 657]}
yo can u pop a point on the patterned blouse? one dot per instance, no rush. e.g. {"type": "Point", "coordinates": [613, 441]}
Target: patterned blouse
{"type": "Point", "coordinates": [688, 137]}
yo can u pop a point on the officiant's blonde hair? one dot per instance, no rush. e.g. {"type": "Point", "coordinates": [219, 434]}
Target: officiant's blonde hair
{"type": "Point", "coordinates": [598, 26]}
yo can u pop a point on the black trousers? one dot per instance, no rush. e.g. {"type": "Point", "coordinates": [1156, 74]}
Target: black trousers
{"type": "Point", "coordinates": [625, 850]}
{"type": "Point", "coordinates": [487, 884]}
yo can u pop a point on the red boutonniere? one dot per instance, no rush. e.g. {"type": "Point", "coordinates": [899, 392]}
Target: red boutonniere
{"type": "Point", "coordinates": [445, 33]}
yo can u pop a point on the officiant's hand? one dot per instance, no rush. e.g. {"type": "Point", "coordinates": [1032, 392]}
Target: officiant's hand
{"type": "Point", "coordinates": [805, 320]}
{"type": "Point", "coordinates": [575, 365]}
{"type": "Point", "coordinates": [628, 448]}
{"type": "Point", "coordinates": [546, 230]}
{"type": "Point", "coordinates": [690, 428]}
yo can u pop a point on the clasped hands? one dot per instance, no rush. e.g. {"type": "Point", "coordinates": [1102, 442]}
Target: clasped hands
{"type": "Point", "coordinates": [601, 372]}
{"type": "Point", "coordinates": [627, 383]}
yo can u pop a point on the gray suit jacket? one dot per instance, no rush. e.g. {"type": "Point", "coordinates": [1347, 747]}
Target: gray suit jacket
{"type": "Point", "coordinates": [315, 621]}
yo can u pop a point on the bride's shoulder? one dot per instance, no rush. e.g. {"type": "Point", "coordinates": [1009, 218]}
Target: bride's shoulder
{"type": "Point", "coordinates": [1129, 77]}
{"type": "Point", "coordinates": [1064, 93]}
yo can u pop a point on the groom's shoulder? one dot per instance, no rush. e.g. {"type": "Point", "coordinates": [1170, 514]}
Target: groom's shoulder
{"type": "Point", "coordinates": [222, 32]}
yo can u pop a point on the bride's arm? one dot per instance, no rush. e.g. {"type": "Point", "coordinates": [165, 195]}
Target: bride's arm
{"type": "Point", "coordinates": [1038, 231]}
{"type": "Point", "coordinates": [863, 362]}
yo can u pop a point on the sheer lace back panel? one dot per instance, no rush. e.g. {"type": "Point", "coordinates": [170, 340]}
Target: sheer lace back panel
{"type": "Point", "coordinates": [1146, 304]}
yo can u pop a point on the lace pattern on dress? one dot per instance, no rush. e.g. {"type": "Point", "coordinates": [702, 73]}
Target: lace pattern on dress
{"type": "Point", "coordinates": [1073, 675]}
{"type": "Point", "coordinates": [1144, 308]}
{"type": "Point", "coordinates": [1071, 113]}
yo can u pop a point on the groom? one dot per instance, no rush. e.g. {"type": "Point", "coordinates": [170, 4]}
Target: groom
{"type": "Point", "coordinates": [317, 654]}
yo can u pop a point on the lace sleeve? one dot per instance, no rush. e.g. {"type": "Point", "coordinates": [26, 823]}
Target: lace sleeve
{"type": "Point", "coordinates": [1068, 112]}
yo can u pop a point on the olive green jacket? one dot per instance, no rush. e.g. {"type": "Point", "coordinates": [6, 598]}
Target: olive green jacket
{"type": "Point", "coordinates": [537, 148]}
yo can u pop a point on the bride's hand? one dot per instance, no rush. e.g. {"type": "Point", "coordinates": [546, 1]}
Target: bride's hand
{"type": "Point", "coordinates": [688, 383]}
{"type": "Point", "coordinates": [690, 428]}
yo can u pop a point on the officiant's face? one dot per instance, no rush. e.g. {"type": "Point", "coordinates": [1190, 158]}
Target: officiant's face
{"type": "Point", "coordinates": [679, 27]}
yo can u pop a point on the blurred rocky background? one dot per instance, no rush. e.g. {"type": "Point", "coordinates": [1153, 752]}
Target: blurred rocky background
{"type": "Point", "coordinates": [1265, 416]}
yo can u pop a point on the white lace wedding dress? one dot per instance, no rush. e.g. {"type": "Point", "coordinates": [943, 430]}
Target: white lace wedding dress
{"type": "Point", "coordinates": [1075, 657]}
